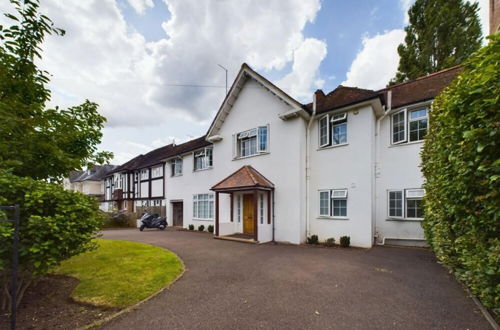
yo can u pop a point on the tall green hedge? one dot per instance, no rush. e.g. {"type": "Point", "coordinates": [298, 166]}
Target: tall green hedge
{"type": "Point", "coordinates": [461, 164]}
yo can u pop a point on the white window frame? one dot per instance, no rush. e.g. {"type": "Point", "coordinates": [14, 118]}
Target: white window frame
{"type": "Point", "coordinates": [206, 162]}
{"type": "Point", "coordinates": [339, 117]}
{"type": "Point", "coordinates": [158, 169]}
{"type": "Point", "coordinates": [402, 204]}
{"type": "Point", "coordinates": [341, 196]}
{"type": "Point", "coordinates": [418, 194]}
{"type": "Point", "coordinates": [416, 119]}
{"type": "Point", "coordinates": [327, 131]}
{"type": "Point", "coordinates": [144, 174]}
{"type": "Point", "coordinates": [405, 126]}
{"type": "Point", "coordinates": [245, 136]}
{"type": "Point", "coordinates": [328, 214]}
{"type": "Point", "coordinates": [202, 213]}
{"type": "Point", "coordinates": [176, 167]}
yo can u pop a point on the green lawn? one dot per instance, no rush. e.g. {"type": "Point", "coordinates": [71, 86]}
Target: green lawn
{"type": "Point", "coordinates": [121, 273]}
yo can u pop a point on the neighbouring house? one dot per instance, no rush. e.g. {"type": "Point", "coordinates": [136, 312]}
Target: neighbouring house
{"type": "Point", "coordinates": [273, 169]}
{"type": "Point", "coordinates": [89, 182]}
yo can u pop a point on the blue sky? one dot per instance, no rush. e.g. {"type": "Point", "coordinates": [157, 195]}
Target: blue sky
{"type": "Point", "coordinates": [126, 55]}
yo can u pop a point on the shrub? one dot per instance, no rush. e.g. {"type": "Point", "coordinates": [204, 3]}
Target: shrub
{"type": "Point", "coordinates": [345, 241]}
{"type": "Point", "coordinates": [191, 227]}
{"type": "Point", "coordinates": [313, 239]}
{"type": "Point", "coordinates": [116, 219]}
{"type": "Point", "coordinates": [330, 242]}
{"type": "Point", "coordinates": [201, 228]}
{"type": "Point", "coordinates": [210, 228]}
{"type": "Point", "coordinates": [55, 225]}
{"type": "Point", "coordinates": [461, 164]}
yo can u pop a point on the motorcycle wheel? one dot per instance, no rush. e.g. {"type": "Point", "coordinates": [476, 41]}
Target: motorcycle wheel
{"type": "Point", "coordinates": [162, 227]}
{"type": "Point", "coordinates": [142, 228]}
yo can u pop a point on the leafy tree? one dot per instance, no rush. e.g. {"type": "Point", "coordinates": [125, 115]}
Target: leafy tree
{"type": "Point", "coordinates": [56, 224]}
{"type": "Point", "coordinates": [34, 141]}
{"type": "Point", "coordinates": [461, 164]}
{"type": "Point", "coordinates": [441, 34]}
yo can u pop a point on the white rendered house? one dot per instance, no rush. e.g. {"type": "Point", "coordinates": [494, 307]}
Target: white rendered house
{"type": "Point", "coordinates": [273, 169]}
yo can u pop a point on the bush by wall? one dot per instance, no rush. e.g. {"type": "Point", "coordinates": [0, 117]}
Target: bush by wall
{"type": "Point", "coordinates": [313, 239]}
{"type": "Point", "coordinates": [330, 242]}
{"type": "Point", "coordinates": [201, 228]}
{"type": "Point", "coordinates": [345, 241]}
{"type": "Point", "coordinates": [210, 228]}
{"type": "Point", "coordinates": [191, 227]}
{"type": "Point", "coordinates": [461, 164]}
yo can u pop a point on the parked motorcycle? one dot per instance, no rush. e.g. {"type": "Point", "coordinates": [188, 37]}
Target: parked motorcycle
{"type": "Point", "coordinates": [153, 220]}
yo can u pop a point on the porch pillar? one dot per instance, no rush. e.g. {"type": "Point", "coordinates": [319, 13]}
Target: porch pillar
{"type": "Point", "coordinates": [269, 207]}
{"type": "Point", "coordinates": [256, 215]}
{"type": "Point", "coordinates": [231, 207]}
{"type": "Point", "coordinates": [216, 213]}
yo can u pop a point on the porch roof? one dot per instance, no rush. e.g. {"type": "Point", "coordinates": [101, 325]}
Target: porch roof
{"type": "Point", "coordinates": [246, 178]}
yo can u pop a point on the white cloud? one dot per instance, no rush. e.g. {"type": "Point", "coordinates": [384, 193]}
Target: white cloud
{"type": "Point", "coordinates": [302, 79]}
{"type": "Point", "coordinates": [104, 59]}
{"type": "Point", "coordinates": [405, 6]}
{"type": "Point", "coordinates": [141, 5]}
{"type": "Point", "coordinates": [377, 62]}
{"type": "Point", "coordinates": [484, 16]}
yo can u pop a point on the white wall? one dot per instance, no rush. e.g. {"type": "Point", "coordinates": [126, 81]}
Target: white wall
{"type": "Point", "coordinates": [398, 169]}
{"type": "Point", "coordinates": [284, 165]}
{"type": "Point", "coordinates": [156, 188]}
{"type": "Point", "coordinates": [345, 167]}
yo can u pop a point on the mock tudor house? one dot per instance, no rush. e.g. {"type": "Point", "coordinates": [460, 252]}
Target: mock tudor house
{"type": "Point", "coordinates": [273, 169]}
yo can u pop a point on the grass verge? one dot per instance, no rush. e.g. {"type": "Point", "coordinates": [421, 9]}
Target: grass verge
{"type": "Point", "coordinates": [121, 273]}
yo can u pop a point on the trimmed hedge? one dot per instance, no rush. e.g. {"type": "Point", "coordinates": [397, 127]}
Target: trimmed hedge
{"type": "Point", "coordinates": [461, 164]}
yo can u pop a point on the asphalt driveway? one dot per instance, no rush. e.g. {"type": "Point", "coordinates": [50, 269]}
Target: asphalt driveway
{"type": "Point", "coordinates": [231, 285]}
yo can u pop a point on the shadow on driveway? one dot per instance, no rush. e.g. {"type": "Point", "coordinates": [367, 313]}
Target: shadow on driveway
{"type": "Point", "coordinates": [231, 285]}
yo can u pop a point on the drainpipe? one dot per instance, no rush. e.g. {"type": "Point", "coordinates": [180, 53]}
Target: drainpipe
{"type": "Point", "coordinates": [308, 163]}
{"type": "Point", "coordinates": [274, 220]}
{"type": "Point", "coordinates": [377, 156]}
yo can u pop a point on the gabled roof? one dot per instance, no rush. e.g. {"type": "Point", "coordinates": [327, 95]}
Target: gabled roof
{"type": "Point", "coordinates": [246, 72]}
{"type": "Point", "coordinates": [421, 89]}
{"type": "Point", "coordinates": [96, 173]}
{"type": "Point", "coordinates": [244, 179]}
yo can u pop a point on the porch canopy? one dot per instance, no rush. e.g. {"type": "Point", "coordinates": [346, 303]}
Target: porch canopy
{"type": "Point", "coordinates": [245, 179]}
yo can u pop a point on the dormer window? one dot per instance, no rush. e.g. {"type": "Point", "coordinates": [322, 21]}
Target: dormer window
{"type": "Point", "coordinates": [252, 142]}
{"type": "Point", "coordinates": [203, 159]}
{"type": "Point", "coordinates": [333, 130]}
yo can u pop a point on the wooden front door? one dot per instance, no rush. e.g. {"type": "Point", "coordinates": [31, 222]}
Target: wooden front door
{"type": "Point", "coordinates": [177, 214]}
{"type": "Point", "coordinates": [248, 214]}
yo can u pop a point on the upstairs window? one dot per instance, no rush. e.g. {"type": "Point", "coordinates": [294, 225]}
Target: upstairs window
{"type": "Point", "coordinates": [176, 167]}
{"type": "Point", "coordinates": [409, 126]}
{"type": "Point", "coordinates": [333, 130]}
{"type": "Point", "coordinates": [144, 174]}
{"type": "Point", "coordinates": [203, 159]}
{"type": "Point", "coordinates": [252, 142]}
{"type": "Point", "coordinates": [157, 171]}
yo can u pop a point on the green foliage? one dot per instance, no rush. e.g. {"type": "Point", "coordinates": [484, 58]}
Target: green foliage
{"type": "Point", "coordinates": [36, 142]}
{"type": "Point", "coordinates": [191, 227]}
{"type": "Point", "coordinates": [441, 34]}
{"type": "Point", "coordinates": [461, 164]}
{"type": "Point", "coordinates": [55, 225]}
{"type": "Point", "coordinates": [201, 228]}
{"type": "Point", "coordinates": [345, 241]}
{"type": "Point", "coordinates": [210, 228]}
{"type": "Point", "coordinates": [313, 239]}
{"type": "Point", "coordinates": [330, 242]}
{"type": "Point", "coordinates": [118, 219]}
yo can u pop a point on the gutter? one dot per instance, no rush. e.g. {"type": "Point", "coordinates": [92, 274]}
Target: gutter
{"type": "Point", "coordinates": [377, 161]}
{"type": "Point", "coordinates": [308, 164]}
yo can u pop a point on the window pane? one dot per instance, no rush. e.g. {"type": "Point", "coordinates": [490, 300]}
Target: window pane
{"type": "Point", "coordinates": [339, 133]}
{"type": "Point", "coordinates": [398, 127]}
{"type": "Point", "coordinates": [324, 199]}
{"type": "Point", "coordinates": [414, 208]}
{"type": "Point", "coordinates": [263, 138]}
{"type": "Point", "coordinates": [395, 203]}
{"type": "Point", "coordinates": [340, 207]}
{"type": "Point", "coordinates": [323, 131]}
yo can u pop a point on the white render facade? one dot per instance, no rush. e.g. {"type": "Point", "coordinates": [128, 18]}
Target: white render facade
{"type": "Point", "coordinates": [345, 165]}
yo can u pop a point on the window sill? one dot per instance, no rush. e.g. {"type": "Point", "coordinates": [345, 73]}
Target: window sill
{"type": "Point", "coordinates": [324, 217]}
{"type": "Point", "coordinates": [204, 169]}
{"type": "Point", "coordinates": [333, 146]}
{"type": "Point", "coordinates": [174, 176]}
{"type": "Point", "coordinates": [197, 219]}
{"type": "Point", "coordinates": [405, 143]}
{"type": "Point", "coordinates": [405, 219]}
{"type": "Point", "coordinates": [259, 154]}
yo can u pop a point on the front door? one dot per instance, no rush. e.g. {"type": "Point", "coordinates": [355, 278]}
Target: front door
{"type": "Point", "coordinates": [177, 214]}
{"type": "Point", "coordinates": [248, 214]}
